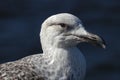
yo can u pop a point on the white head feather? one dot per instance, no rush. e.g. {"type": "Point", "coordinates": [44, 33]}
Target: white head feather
{"type": "Point", "coordinates": [54, 34]}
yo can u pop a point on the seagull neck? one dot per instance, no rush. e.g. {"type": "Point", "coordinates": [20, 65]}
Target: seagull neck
{"type": "Point", "coordinates": [60, 54]}
{"type": "Point", "coordinates": [64, 60]}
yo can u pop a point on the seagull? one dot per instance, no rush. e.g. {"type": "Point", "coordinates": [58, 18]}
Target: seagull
{"type": "Point", "coordinates": [61, 59]}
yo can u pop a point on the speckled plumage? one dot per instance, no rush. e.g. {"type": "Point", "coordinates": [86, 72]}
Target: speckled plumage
{"type": "Point", "coordinates": [22, 69]}
{"type": "Point", "coordinates": [61, 59]}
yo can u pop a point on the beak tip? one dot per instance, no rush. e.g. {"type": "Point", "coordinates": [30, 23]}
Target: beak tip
{"type": "Point", "coordinates": [102, 43]}
{"type": "Point", "coordinates": [104, 46]}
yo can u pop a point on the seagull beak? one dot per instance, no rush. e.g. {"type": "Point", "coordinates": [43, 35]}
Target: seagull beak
{"type": "Point", "coordinates": [93, 39]}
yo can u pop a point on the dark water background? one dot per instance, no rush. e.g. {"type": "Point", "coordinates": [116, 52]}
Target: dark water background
{"type": "Point", "coordinates": [20, 22]}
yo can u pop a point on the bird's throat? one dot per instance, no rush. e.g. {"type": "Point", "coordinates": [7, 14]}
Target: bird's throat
{"type": "Point", "coordinates": [63, 62]}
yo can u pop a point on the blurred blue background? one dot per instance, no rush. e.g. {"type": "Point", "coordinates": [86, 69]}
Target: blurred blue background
{"type": "Point", "coordinates": [20, 22]}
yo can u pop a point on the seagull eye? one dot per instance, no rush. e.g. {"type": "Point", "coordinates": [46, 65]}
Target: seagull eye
{"type": "Point", "coordinates": [63, 25]}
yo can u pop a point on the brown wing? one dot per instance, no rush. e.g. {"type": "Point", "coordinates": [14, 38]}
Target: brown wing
{"type": "Point", "coordinates": [19, 71]}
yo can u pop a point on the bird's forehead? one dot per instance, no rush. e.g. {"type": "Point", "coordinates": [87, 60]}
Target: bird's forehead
{"type": "Point", "coordinates": [64, 18]}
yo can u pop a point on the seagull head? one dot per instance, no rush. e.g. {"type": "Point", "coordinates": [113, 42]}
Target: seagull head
{"type": "Point", "coordinates": [66, 30]}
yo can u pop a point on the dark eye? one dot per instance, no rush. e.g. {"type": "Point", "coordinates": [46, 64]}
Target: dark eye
{"type": "Point", "coordinates": [63, 25]}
